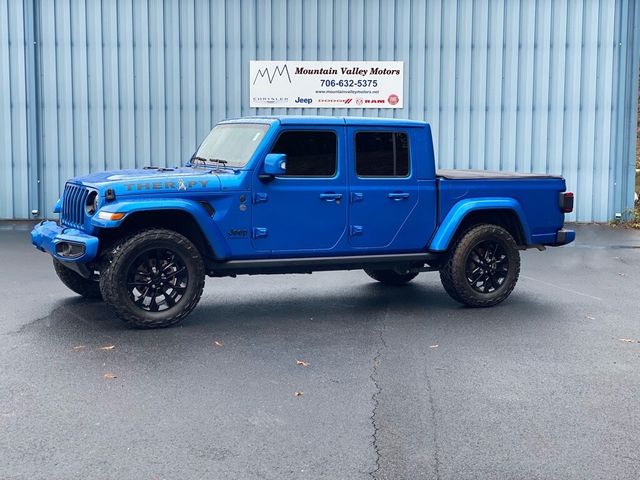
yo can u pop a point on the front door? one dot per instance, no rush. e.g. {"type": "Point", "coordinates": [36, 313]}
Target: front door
{"type": "Point", "coordinates": [384, 189]}
{"type": "Point", "coordinates": [304, 210]}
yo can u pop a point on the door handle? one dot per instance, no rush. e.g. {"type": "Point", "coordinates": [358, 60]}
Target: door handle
{"type": "Point", "coordinates": [330, 197]}
{"type": "Point", "coordinates": [397, 196]}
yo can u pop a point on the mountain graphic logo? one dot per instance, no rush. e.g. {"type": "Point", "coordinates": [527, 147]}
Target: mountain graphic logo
{"type": "Point", "coordinates": [280, 71]}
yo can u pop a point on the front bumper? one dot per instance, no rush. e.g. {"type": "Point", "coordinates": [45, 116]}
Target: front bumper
{"type": "Point", "coordinates": [65, 244]}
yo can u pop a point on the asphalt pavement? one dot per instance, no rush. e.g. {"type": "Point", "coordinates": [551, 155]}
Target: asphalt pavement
{"type": "Point", "coordinates": [397, 383]}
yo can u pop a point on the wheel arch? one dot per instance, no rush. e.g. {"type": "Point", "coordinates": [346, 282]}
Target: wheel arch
{"type": "Point", "coordinates": [504, 212]}
{"type": "Point", "coordinates": [175, 219]}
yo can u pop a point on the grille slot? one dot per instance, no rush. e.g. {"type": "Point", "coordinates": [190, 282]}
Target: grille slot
{"type": "Point", "coordinates": [73, 205]}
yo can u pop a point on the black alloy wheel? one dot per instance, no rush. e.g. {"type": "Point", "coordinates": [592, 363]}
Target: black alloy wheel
{"type": "Point", "coordinates": [153, 278]}
{"type": "Point", "coordinates": [482, 266]}
{"type": "Point", "coordinates": [157, 280]}
{"type": "Point", "coordinates": [487, 266]}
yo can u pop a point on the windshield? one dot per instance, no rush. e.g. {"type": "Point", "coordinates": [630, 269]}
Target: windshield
{"type": "Point", "coordinates": [231, 144]}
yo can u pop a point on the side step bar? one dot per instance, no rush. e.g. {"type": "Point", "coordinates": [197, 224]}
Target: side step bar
{"type": "Point", "coordinates": [406, 261]}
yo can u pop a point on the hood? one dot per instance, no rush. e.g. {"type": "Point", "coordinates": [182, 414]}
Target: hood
{"type": "Point", "coordinates": [160, 180]}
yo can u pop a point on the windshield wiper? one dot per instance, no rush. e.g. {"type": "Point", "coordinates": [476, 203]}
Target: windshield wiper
{"type": "Point", "coordinates": [209, 161]}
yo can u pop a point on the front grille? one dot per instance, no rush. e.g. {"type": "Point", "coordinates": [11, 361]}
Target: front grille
{"type": "Point", "coordinates": [74, 201]}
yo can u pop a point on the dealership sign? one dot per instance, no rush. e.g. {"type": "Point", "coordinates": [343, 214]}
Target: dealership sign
{"type": "Point", "coordinates": [326, 84]}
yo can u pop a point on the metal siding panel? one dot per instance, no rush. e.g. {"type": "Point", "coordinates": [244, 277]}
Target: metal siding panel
{"type": "Point", "coordinates": [494, 73]}
{"type": "Point", "coordinates": [126, 107]}
{"type": "Point", "coordinates": [417, 56]}
{"type": "Point", "coordinates": [95, 87]}
{"type": "Point", "coordinates": [541, 70]}
{"type": "Point", "coordinates": [446, 124]}
{"type": "Point", "coordinates": [157, 97]}
{"type": "Point", "coordinates": [524, 108]}
{"type": "Point", "coordinates": [463, 72]}
{"type": "Point", "coordinates": [628, 159]}
{"type": "Point", "coordinates": [402, 51]}
{"type": "Point", "coordinates": [604, 106]}
{"type": "Point", "coordinates": [478, 107]}
{"type": "Point", "coordinates": [7, 200]}
{"type": "Point", "coordinates": [510, 86]}
{"type": "Point", "coordinates": [555, 126]}
{"type": "Point", "coordinates": [587, 111]}
{"type": "Point", "coordinates": [188, 79]}
{"type": "Point", "coordinates": [141, 85]}
{"type": "Point", "coordinates": [79, 94]}
{"type": "Point", "coordinates": [51, 171]}
{"type": "Point", "coordinates": [371, 37]}
{"type": "Point", "coordinates": [573, 85]}
{"type": "Point", "coordinates": [172, 72]}
{"type": "Point", "coordinates": [65, 89]}
{"type": "Point", "coordinates": [433, 73]}
{"type": "Point", "coordinates": [533, 85]}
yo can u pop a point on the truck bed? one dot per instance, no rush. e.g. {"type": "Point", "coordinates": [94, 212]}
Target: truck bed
{"type": "Point", "coordinates": [487, 175]}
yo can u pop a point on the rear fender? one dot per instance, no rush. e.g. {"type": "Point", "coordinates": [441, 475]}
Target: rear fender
{"type": "Point", "coordinates": [460, 210]}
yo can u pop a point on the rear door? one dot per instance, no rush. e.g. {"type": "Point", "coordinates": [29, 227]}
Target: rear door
{"type": "Point", "coordinates": [383, 187]}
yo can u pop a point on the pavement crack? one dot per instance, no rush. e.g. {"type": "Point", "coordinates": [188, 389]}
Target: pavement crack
{"type": "Point", "coordinates": [374, 398]}
{"type": "Point", "coordinates": [434, 422]}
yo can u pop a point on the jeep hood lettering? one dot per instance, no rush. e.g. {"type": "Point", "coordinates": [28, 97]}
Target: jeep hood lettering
{"type": "Point", "coordinates": [157, 180]}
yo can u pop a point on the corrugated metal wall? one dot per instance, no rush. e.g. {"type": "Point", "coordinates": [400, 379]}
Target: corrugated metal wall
{"type": "Point", "coordinates": [545, 86]}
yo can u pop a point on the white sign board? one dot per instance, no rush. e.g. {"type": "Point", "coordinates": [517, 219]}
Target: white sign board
{"type": "Point", "coordinates": [292, 84]}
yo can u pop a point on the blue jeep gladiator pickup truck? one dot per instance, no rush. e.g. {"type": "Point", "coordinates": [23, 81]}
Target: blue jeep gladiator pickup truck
{"type": "Point", "coordinates": [285, 194]}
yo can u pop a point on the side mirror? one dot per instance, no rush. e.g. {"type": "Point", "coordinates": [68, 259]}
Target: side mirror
{"type": "Point", "coordinates": [274, 164]}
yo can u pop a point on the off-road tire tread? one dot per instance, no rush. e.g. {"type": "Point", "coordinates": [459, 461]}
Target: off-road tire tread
{"type": "Point", "coordinates": [455, 285]}
{"type": "Point", "coordinates": [113, 263]}
{"type": "Point", "coordinates": [390, 277]}
{"type": "Point", "coordinates": [82, 286]}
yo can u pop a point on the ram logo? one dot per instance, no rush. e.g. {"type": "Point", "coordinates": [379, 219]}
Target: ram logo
{"type": "Point", "coordinates": [280, 71]}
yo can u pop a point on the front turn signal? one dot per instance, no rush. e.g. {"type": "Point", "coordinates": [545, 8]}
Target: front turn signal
{"type": "Point", "coordinates": [110, 215]}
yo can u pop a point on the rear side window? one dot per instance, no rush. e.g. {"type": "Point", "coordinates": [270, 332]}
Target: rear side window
{"type": "Point", "coordinates": [309, 153]}
{"type": "Point", "coordinates": [382, 154]}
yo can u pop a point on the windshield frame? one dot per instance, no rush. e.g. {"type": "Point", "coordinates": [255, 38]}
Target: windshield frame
{"type": "Point", "coordinates": [196, 159]}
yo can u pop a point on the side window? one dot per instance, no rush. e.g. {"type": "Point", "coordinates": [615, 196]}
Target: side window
{"type": "Point", "coordinates": [309, 153]}
{"type": "Point", "coordinates": [382, 154]}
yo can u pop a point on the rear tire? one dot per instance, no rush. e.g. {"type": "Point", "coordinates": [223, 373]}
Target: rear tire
{"type": "Point", "coordinates": [82, 286]}
{"type": "Point", "coordinates": [482, 267]}
{"type": "Point", "coordinates": [390, 277]}
{"type": "Point", "coordinates": [153, 279]}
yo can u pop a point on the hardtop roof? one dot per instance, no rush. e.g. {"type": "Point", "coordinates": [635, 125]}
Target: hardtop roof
{"type": "Point", "coordinates": [328, 120]}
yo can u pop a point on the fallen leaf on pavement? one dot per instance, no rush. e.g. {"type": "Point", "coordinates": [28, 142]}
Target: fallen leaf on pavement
{"type": "Point", "coordinates": [302, 362]}
{"type": "Point", "coordinates": [218, 343]}
{"type": "Point", "coordinates": [298, 394]}
{"type": "Point", "coordinates": [79, 347]}
{"type": "Point", "coordinates": [108, 347]}
{"type": "Point", "coordinates": [110, 376]}
{"type": "Point", "coordinates": [434, 346]}
{"type": "Point", "coordinates": [589, 317]}
{"type": "Point", "coordinates": [629, 340]}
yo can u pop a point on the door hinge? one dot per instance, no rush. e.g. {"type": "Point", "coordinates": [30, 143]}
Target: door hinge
{"type": "Point", "coordinates": [357, 197]}
{"type": "Point", "coordinates": [259, 232]}
{"type": "Point", "coordinates": [260, 197]}
{"type": "Point", "coordinates": [355, 230]}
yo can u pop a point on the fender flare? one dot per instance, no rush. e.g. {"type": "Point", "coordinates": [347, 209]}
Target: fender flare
{"type": "Point", "coordinates": [208, 227]}
{"type": "Point", "coordinates": [449, 226]}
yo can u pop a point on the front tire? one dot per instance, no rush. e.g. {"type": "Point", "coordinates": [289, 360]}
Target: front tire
{"type": "Point", "coordinates": [390, 277]}
{"type": "Point", "coordinates": [482, 267]}
{"type": "Point", "coordinates": [82, 286]}
{"type": "Point", "coordinates": [153, 279]}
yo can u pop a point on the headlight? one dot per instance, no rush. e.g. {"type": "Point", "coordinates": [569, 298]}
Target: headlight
{"type": "Point", "coordinates": [93, 202]}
